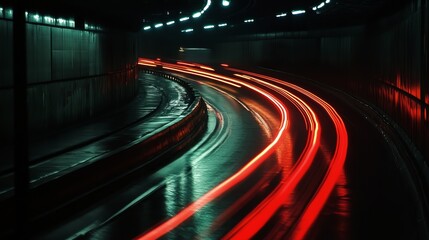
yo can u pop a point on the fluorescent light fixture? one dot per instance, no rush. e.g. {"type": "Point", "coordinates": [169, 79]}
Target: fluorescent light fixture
{"type": "Point", "coordinates": [184, 19]}
{"type": "Point", "coordinates": [170, 22]}
{"type": "Point", "coordinates": [36, 17]}
{"type": "Point", "coordinates": [327, 1]}
{"type": "Point", "coordinates": [314, 8]}
{"type": "Point", "coordinates": [222, 25]}
{"type": "Point", "coordinates": [209, 2]}
{"type": "Point", "coordinates": [249, 20]}
{"type": "Point", "coordinates": [61, 21]}
{"type": "Point", "coordinates": [209, 26]}
{"type": "Point", "coordinates": [188, 30]}
{"type": "Point", "coordinates": [297, 12]}
{"type": "Point", "coordinates": [71, 23]}
{"type": "Point", "coordinates": [196, 15]}
{"type": "Point", "coordinates": [281, 15]}
{"type": "Point", "coordinates": [225, 3]}
{"type": "Point", "coordinates": [48, 19]}
{"type": "Point", "coordinates": [90, 27]}
{"type": "Point", "coordinates": [321, 5]}
{"type": "Point", "coordinates": [158, 25]}
{"type": "Point", "coordinates": [147, 28]}
{"type": "Point", "coordinates": [8, 13]}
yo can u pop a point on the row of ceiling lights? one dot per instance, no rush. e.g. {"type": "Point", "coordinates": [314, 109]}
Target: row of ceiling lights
{"type": "Point", "coordinates": [195, 15]}
{"type": "Point", "coordinates": [48, 20]}
{"type": "Point", "coordinates": [321, 5]}
{"type": "Point", "coordinates": [35, 18]}
{"type": "Point", "coordinates": [227, 3]}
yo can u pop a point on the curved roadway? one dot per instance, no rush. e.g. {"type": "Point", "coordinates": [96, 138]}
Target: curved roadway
{"type": "Point", "coordinates": [277, 162]}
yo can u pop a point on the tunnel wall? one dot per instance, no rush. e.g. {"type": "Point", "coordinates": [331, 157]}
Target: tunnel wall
{"type": "Point", "coordinates": [73, 75]}
{"type": "Point", "coordinates": [384, 62]}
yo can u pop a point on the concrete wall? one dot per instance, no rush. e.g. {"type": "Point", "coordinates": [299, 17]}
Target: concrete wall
{"type": "Point", "coordinates": [73, 75]}
{"type": "Point", "coordinates": [6, 81]}
{"type": "Point", "coordinates": [385, 62]}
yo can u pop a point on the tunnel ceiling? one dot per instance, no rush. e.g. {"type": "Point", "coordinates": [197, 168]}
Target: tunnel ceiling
{"type": "Point", "coordinates": [134, 15]}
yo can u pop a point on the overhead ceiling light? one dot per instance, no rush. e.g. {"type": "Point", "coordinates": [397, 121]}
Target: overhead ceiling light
{"type": "Point", "coordinates": [71, 23]}
{"type": "Point", "coordinates": [321, 5]}
{"type": "Point", "coordinates": [61, 21]}
{"type": "Point", "coordinates": [158, 25]}
{"type": "Point", "coordinates": [209, 26]}
{"type": "Point", "coordinates": [222, 25]}
{"type": "Point", "coordinates": [49, 19]}
{"type": "Point", "coordinates": [281, 15]}
{"type": "Point", "coordinates": [170, 22]}
{"type": "Point", "coordinates": [225, 3]}
{"type": "Point", "coordinates": [147, 28]}
{"type": "Point", "coordinates": [36, 17]}
{"type": "Point", "coordinates": [184, 19]}
{"type": "Point", "coordinates": [9, 13]}
{"type": "Point", "coordinates": [209, 2]}
{"type": "Point", "coordinates": [327, 1]}
{"type": "Point", "coordinates": [249, 20]}
{"type": "Point", "coordinates": [196, 15]}
{"type": "Point", "coordinates": [297, 12]}
{"type": "Point", "coordinates": [188, 30]}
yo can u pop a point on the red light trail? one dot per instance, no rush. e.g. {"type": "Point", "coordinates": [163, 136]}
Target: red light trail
{"type": "Point", "coordinates": [336, 164]}
{"type": "Point", "coordinates": [269, 88]}
{"type": "Point", "coordinates": [239, 176]}
{"type": "Point", "coordinates": [254, 221]}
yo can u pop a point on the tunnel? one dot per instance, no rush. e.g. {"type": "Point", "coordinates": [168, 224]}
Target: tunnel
{"type": "Point", "coordinates": [214, 119]}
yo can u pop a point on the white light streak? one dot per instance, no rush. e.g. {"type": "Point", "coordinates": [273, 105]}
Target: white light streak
{"type": "Point", "coordinates": [297, 12]}
{"type": "Point", "coordinates": [188, 30]}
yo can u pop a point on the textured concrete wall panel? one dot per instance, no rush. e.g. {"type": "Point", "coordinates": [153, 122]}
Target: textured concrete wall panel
{"type": "Point", "coordinates": [38, 53]}
{"type": "Point", "coordinates": [73, 76]}
{"type": "Point", "coordinates": [6, 55]}
{"type": "Point", "coordinates": [6, 116]}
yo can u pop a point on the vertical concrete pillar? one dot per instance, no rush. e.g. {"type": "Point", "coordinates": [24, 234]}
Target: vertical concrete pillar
{"type": "Point", "coordinates": [21, 120]}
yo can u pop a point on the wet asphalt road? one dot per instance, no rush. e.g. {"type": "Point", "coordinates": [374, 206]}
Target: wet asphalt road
{"type": "Point", "coordinates": [370, 200]}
